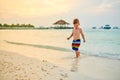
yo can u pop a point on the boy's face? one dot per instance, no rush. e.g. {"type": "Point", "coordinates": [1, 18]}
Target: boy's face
{"type": "Point", "coordinates": [76, 25]}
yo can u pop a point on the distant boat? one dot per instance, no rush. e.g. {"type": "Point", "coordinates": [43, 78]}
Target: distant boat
{"type": "Point", "coordinates": [93, 27]}
{"type": "Point", "coordinates": [107, 27]}
{"type": "Point", "coordinates": [115, 28]}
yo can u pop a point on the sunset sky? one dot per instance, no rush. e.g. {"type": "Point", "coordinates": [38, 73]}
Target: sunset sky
{"type": "Point", "coordinates": [45, 12]}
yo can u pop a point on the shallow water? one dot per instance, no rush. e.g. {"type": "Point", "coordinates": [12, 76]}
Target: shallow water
{"type": "Point", "coordinates": [99, 42]}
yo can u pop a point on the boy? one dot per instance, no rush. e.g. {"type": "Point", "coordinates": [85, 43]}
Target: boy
{"type": "Point", "coordinates": [77, 31]}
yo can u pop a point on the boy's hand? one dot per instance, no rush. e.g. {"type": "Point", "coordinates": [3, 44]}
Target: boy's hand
{"type": "Point", "coordinates": [68, 38]}
{"type": "Point", "coordinates": [84, 41]}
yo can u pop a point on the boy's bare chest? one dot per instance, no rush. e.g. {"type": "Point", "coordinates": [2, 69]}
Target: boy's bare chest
{"type": "Point", "coordinates": [76, 31]}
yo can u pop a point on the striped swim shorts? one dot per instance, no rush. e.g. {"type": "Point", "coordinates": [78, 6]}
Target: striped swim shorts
{"type": "Point", "coordinates": [76, 44]}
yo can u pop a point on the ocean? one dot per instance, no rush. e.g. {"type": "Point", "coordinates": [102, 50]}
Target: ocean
{"type": "Point", "coordinates": [99, 42]}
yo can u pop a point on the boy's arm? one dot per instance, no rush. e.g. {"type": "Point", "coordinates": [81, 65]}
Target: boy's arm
{"type": "Point", "coordinates": [70, 36]}
{"type": "Point", "coordinates": [82, 34]}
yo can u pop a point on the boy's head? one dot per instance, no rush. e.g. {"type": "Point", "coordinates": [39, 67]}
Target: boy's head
{"type": "Point", "coordinates": [76, 22]}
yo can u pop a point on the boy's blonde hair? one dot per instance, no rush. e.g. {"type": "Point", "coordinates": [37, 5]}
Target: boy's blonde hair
{"type": "Point", "coordinates": [75, 21]}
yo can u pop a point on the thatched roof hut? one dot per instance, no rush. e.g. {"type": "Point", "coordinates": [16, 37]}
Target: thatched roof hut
{"type": "Point", "coordinates": [61, 23]}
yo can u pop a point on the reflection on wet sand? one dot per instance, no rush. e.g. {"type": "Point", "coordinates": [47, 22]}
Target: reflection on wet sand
{"type": "Point", "coordinates": [74, 67]}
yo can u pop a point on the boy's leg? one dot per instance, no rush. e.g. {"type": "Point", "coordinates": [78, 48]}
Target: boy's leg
{"type": "Point", "coordinates": [77, 54]}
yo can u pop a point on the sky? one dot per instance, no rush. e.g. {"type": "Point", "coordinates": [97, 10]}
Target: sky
{"type": "Point", "coordinates": [46, 12]}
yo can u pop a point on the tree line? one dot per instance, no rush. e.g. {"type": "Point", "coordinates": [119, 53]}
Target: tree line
{"type": "Point", "coordinates": [16, 25]}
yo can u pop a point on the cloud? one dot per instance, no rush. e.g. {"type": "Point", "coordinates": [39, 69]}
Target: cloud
{"type": "Point", "coordinates": [106, 6]}
{"type": "Point", "coordinates": [34, 8]}
{"type": "Point", "coordinates": [45, 12]}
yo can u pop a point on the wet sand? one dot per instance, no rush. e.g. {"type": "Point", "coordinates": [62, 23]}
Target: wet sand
{"type": "Point", "coordinates": [19, 62]}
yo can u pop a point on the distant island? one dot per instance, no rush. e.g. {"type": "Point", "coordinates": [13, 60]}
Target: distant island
{"type": "Point", "coordinates": [29, 26]}
{"type": "Point", "coordinates": [16, 26]}
{"type": "Point", "coordinates": [60, 24]}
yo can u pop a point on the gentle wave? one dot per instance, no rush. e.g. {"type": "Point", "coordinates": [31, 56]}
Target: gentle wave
{"type": "Point", "coordinates": [41, 46]}
{"type": "Point", "coordinates": [106, 55]}
{"type": "Point", "coordinates": [103, 55]}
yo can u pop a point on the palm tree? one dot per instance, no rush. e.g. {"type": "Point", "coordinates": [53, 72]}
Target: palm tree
{"type": "Point", "coordinates": [6, 25]}
{"type": "Point", "coordinates": [0, 25]}
{"type": "Point", "coordinates": [17, 25]}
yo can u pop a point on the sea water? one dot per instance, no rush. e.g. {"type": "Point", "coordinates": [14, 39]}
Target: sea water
{"type": "Point", "coordinates": [99, 42]}
{"type": "Point", "coordinates": [104, 43]}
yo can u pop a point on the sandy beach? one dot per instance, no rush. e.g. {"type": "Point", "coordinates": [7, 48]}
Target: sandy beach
{"type": "Point", "coordinates": [15, 66]}
{"type": "Point", "coordinates": [40, 39]}
{"type": "Point", "coordinates": [20, 62]}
